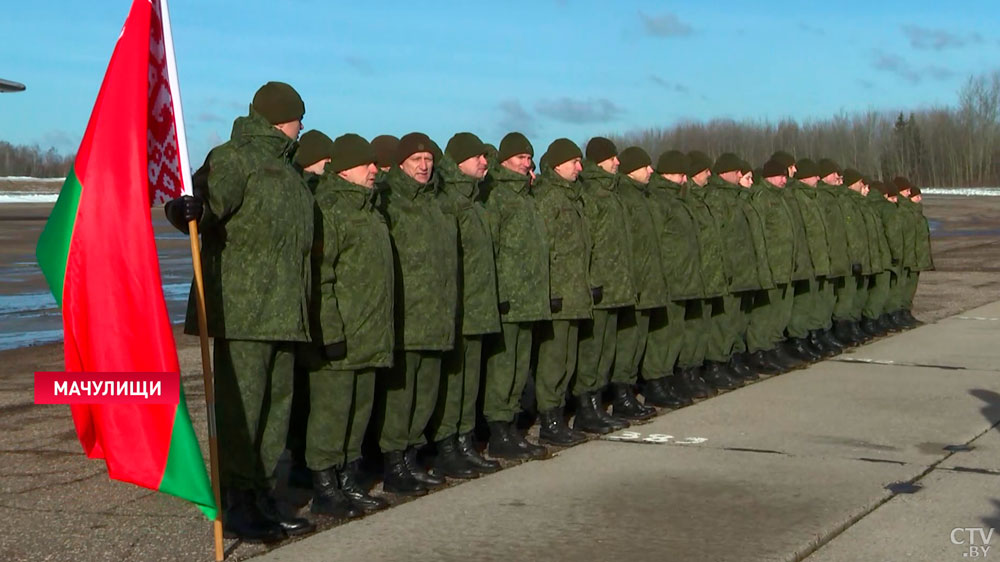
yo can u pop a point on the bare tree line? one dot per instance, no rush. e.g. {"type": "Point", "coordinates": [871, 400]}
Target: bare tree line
{"type": "Point", "coordinates": [949, 146]}
{"type": "Point", "coordinates": [32, 161]}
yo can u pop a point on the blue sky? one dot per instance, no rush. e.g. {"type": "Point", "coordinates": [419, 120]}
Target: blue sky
{"type": "Point", "coordinates": [550, 68]}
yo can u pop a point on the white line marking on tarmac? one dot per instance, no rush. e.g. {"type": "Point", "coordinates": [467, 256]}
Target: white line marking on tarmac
{"type": "Point", "coordinates": [978, 318]}
{"type": "Point", "coordinates": [655, 438]}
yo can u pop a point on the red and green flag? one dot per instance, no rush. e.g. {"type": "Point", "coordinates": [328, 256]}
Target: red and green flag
{"type": "Point", "coordinates": [98, 254]}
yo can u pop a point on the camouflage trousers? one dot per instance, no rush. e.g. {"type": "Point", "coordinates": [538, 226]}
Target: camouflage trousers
{"type": "Point", "coordinates": [508, 363]}
{"type": "Point", "coordinates": [253, 398]}
{"type": "Point", "coordinates": [846, 291]}
{"type": "Point", "coordinates": [406, 395]}
{"type": "Point", "coordinates": [738, 307]}
{"type": "Point", "coordinates": [718, 343]}
{"type": "Point", "coordinates": [340, 406]}
{"type": "Point", "coordinates": [633, 329]}
{"type": "Point", "coordinates": [596, 354]}
{"type": "Point", "coordinates": [557, 348]}
{"type": "Point", "coordinates": [665, 341]}
{"type": "Point", "coordinates": [828, 301]}
{"type": "Point", "coordinates": [900, 297]}
{"type": "Point", "coordinates": [771, 314]}
{"type": "Point", "coordinates": [694, 342]}
{"type": "Point", "coordinates": [912, 280]}
{"type": "Point", "coordinates": [461, 369]}
{"type": "Point", "coordinates": [877, 295]}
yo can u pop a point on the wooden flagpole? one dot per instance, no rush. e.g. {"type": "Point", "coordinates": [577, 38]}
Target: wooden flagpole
{"type": "Point", "coordinates": [206, 359]}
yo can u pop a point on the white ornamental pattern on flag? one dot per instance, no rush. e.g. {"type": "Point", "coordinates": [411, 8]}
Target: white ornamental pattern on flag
{"type": "Point", "coordinates": [164, 159]}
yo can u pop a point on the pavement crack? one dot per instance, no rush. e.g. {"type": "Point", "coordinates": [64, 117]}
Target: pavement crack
{"type": "Point", "coordinates": [752, 450]}
{"type": "Point", "coordinates": [884, 461]}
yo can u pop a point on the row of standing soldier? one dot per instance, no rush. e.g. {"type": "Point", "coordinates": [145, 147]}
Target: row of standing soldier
{"type": "Point", "coordinates": [399, 277]}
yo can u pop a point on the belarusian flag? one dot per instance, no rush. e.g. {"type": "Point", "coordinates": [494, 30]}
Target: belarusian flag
{"type": "Point", "coordinates": [98, 255]}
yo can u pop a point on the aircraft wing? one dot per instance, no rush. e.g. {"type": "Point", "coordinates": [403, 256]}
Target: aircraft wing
{"type": "Point", "coordinates": [10, 86]}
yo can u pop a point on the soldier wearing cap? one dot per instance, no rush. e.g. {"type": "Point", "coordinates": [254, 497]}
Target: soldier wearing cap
{"type": "Point", "coordinates": [847, 314]}
{"type": "Point", "coordinates": [875, 321]}
{"type": "Point", "coordinates": [634, 322]}
{"type": "Point", "coordinates": [522, 263]}
{"type": "Point", "coordinates": [611, 285]}
{"type": "Point", "coordinates": [256, 217]}
{"type": "Point", "coordinates": [425, 253]}
{"type": "Point", "coordinates": [838, 293]}
{"type": "Point", "coordinates": [352, 325]}
{"type": "Point", "coordinates": [557, 195]}
{"type": "Point", "coordinates": [462, 169]}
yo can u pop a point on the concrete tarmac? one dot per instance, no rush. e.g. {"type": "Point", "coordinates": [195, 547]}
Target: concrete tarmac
{"type": "Point", "coordinates": [878, 454]}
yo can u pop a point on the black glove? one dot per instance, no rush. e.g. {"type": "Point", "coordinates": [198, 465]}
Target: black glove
{"type": "Point", "coordinates": [335, 351]}
{"type": "Point", "coordinates": [504, 307]}
{"type": "Point", "coordinates": [183, 210]}
{"type": "Point", "coordinates": [856, 269]}
{"type": "Point", "coordinates": [555, 304]}
{"type": "Point", "coordinates": [597, 293]}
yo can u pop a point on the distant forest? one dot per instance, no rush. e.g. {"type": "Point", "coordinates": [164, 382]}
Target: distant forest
{"type": "Point", "coordinates": [947, 146]}
{"type": "Point", "coordinates": [32, 161]}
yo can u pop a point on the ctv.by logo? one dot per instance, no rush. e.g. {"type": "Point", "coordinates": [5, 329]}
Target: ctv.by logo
{"type": "Point", "coordinates": [978, 540]}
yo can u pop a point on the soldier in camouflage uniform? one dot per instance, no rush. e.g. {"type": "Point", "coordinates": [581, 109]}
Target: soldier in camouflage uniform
{"type": "Point", "coordinates": [846, 314]}
{"type": "Point", "coordinates": [351, 324]}
{"type": "Point", "coordinates": [257, 235]}
{"type": "Point", "coordinates": [878, 252]}
{"type": "Point", "coordinates": [462, 168]}
{"type": "Point", "coordinates": [707, 336]}
{"type": "Point", "coordinates": [557, 196]}
{"type": "Point", "coordinates": [634, 170]}
{"type": "Point", "coordinates": [723, 197]}
{"type": "Point", "coordinates": [838, 293]}
{"type": "Point", "coordinates": [610, 286]}
{"type": "Point", "coordinates": [425, 252]}
{"type": "Point", "coordinates": [917, 249]}
{"type": "Point", "coordinates": [385, 152]}
{"type": "Point", "coordinates": [677, 230]}
{"type": "Point", "coordinates": [522, 262]}
{"type": "Point", "coordinates": [876, 321]}
{"type": "Point", "coordinates": [772, 310]}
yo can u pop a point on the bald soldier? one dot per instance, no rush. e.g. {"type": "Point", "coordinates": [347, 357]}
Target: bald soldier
{"type": "Point", "coordinates": [425, 251]}
{"type": "Point", "coordinates": [522, 262]}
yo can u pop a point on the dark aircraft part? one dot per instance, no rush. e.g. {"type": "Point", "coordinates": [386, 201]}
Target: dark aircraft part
{"type": "Point", "coordinates": [10, 86]}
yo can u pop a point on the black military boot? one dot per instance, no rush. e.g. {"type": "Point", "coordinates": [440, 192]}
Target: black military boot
{"type": "Point", "coordinates": [911, 319]}
{"type": "Point", "coordinates": [587, 418]}
{"type": "Point", "coordinates": [554, 431]}
{"type": "Point", "coordinates": [466, 443]}
{"type": "Point", "coordinates": [502, 444]}
{"type": "Point", "coordinates": [799, 348]}
{"type": "Point", "coordinates": [616, 422]}
{"type": "Point", "coordinates": [817, 339]}
{"type": "Point", "coordinates": [870, 327]}
{"type": "Point", "coordinates": [282, 515]}
{"type": "Point", "coordinates": [716, 376]}
{"type": "Point", "coordinates": [899, 320]}
{"type": "Point", "coordinates": [886, 323]}
{"type": "Point", "coordinates": [349, 479]}
{"type": "Point", "coordinates": [451, 462]}
{"type": "Point", "coordinates": [832, 342]}
{"type": "Point", "coordinates": [426, 478]}
{"type": "Point", "coordinates": [328, 498]}
{"type": "Point", "coordinates": [760, 363]}
{"type": "Point", "coordinates": [397, 478]}
{"type": "Point", "coordinates": [780, 357]}
{"type": "Point", "coordinates": [536, 452]}
{"type": "Point", "coordinates": [242, 518]}
{"type": "Point", "coordinates": [842, 331]}
{"type": "Point", "coordinates": [743, 368]}
{"type": "Point", "coordinates": [658, 392]}
{"type": "Point", "coordinates": [691, 384]}
{"type": "Point", "coordinates": [626, 405]}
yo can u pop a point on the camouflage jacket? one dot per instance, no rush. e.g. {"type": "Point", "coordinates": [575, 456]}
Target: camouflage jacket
{"type": "Point", "coordinates": [923, 241]}
{"type": "Point", "coordinates": [520, 246]}
{"type": "Point", "coordinates": [778, 224]}
{"type": "Point", "coordinates": [802, 266]}
{"type": "Point", "coordinates": [257, 235]}
{"type": "Point", "coordinates": [647, 271]}
{"type": "Point", "coordinates": [836, 231]}
{"type": "Point", "coordinates": [714, 277]}
{"type": "Point", "coordinates": [854, 227]}
{"type": "Point", "coordinates": [477, 286]}
{"type": "Point", "coordinates": [566, 230]}
{"type": "Point", "coordinates": [610, 265]}
{"type": "Point", "coordinates": [678, 232]}
{"type": "Point", "coordinates": [723, 198]}
{"type": "Point", "coordinates": [892, 226]}
{"type": "Point", "coordinates": [815, 227]}
{"type": "Point", "coordinates": [881, 255]}
{"type": "Point", "coordinates": [425, 253]}
{"type": "Point", "coordinates": [756, 222]}
{"type": "Point", "coordinates": [916, 236]}
{"type": "Point", "coordinates": [352, 276]}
